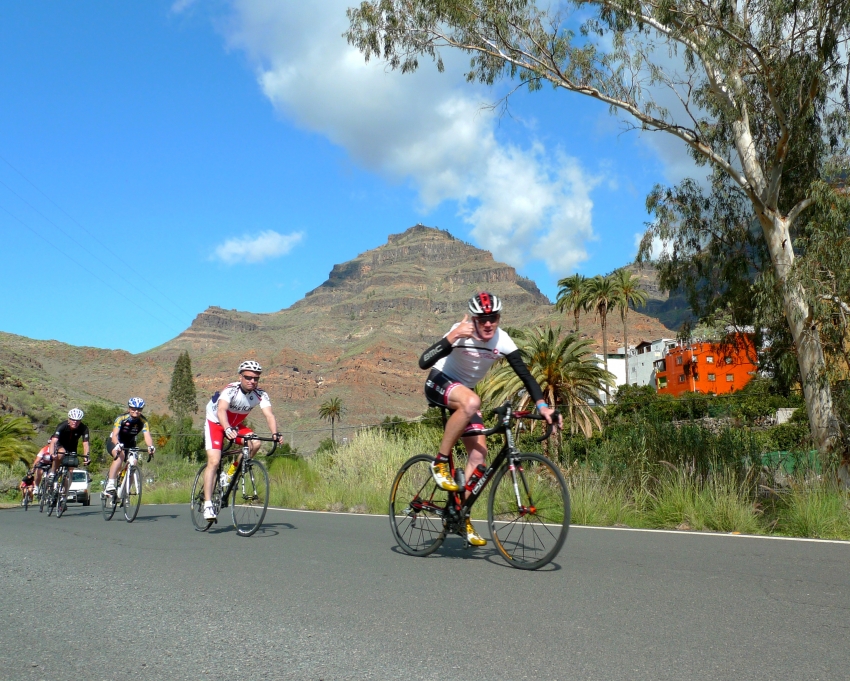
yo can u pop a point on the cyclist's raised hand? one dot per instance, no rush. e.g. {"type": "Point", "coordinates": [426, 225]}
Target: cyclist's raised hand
{"type": "Point", "coordinates": [466, 329]}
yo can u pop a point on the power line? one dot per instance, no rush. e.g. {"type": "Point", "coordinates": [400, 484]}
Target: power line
{"type": "Point", "coordinates": [79, 264]}
{"type": "Point", "coordinates": [103, 245]}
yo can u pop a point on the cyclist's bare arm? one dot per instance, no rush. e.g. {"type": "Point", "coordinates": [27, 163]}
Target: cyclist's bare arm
{"type": "Point", "coordinates": [271, 420]}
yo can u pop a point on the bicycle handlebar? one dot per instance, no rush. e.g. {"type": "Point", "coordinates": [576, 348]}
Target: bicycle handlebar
{"type": "Point", "coordinates": [502, 412]}
{"type": "Point", "coordinates": [253, 436]}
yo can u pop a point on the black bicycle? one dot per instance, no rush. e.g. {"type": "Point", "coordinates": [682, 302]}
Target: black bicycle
{"type": "Point", "coordinates": [56, 492]}
{"type": "Point", "coordinates": [247, 493]}
{"type": "Point", "coordinates": [528, 510]}
{"type": "Point", "coordinates": [43, 489]}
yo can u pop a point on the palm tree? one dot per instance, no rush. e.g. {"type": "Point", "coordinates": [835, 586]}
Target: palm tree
{"type": "Point", "coordinates": [16, 442]}
{"type": "Point", "coordinates": [571, 296]}
{"type": "Point", "coordinates": [629, 293]}
{"type": "Point", "coordinates": [600, 296]}
{"type": "Point", "coordinates": [566, 369]}
{"type": "Point", "coordinates": [332, 410]}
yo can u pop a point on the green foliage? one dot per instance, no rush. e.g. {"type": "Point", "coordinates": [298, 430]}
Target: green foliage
{"type": "Point", "coordinates": [99, 418]}
{"type": "Point", "coordinates": [17, 443]}
{"type": "Point", "coordinates": [326, 445]}
{"type": "Point", "coordinates": [182, 397]}
{"type": "Point", "coordinates": [332, 410]}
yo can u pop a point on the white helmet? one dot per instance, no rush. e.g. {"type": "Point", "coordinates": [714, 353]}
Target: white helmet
{"type": "Point", "coordinates": [76, 414]}
{"type": "Point", "coordinates": [484, 303]}
{"type": "Point", "coordinates": [250, 365]}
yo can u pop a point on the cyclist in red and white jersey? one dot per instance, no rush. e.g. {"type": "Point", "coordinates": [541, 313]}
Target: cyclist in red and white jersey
{"type": "Point", "coordinates": [43, 462]}
{"type": "Point", "coordinates": [458, 361]}
{"type": "Point", "coordinates": [225, 413]}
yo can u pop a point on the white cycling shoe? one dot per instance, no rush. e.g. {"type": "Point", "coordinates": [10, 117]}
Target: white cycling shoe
{"type": "Point", "coordinates": [209, 512]}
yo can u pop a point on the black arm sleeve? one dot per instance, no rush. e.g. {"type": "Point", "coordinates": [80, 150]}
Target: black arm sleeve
{"type": "Point", "coordinates": [442, 348]}
{"type": "Point", "coordinates": [515, 360]}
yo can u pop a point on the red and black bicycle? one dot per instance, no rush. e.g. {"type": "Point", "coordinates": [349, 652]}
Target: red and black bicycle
{"type": "Point", "coordinates": [528, 510]}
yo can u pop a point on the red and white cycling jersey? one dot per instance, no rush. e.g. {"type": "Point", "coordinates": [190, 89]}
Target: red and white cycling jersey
{"type": "Point", "coordinates": [238, 403]}
{"type": "Point", "coordinates": [43, 457]}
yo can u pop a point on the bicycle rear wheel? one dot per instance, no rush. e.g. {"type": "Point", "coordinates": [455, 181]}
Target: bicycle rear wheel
{"type": "Point", "coordinates": [417, 508]}
{"type": "Point", "coordinates": [249, 498]}
{"type": "Point", "coordinates": [26, 501]}
{"type": "Point", "coordinates": [42, 492]}
{"type": "Point", "coordinates": [530, 530]}
{"type": "Point", "coordinates": [132, 495]}
{"type": "Point", "coordinates": [196, 503]}
{"type": "Point", "coordinates": [108, 505]}
{"type": "Point", "coordinates": [51, 498]}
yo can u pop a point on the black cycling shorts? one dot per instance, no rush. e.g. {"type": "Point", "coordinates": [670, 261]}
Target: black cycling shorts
{"type": "Point", "coordinates": [438, 386]}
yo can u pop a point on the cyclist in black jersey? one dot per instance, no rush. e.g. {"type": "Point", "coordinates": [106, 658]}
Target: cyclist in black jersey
{"type": "Point", "coordinates": [124, 431]}
{"type": "Point", "coordinates": [458, 361]}
{"type": "Point", "coordinates": [65, 440]}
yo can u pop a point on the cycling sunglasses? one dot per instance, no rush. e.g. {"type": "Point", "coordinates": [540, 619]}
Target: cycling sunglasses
{"type": "Point", "coordinates": [484, 318]}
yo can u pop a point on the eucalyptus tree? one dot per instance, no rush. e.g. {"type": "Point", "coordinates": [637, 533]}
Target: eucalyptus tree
{"type": "Point", "coordinates": [332, 410]}
{"type": "Point", "coordinates": [759, 92]}
{"type": "Point", "coordinates": [566, 369]}
{"type": "Point", "coordinates": [629, 293]}
{"type": "Point", "coordinates": [571, 296]}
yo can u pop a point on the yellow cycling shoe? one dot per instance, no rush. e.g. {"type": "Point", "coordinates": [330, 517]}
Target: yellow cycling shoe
{"type": "Point", "coordinates": [472, 536]}
{"type": "Point", "coordinates": [442, 476]}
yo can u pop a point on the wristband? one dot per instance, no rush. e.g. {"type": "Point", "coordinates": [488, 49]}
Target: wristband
{"type": "Point", "coordinates": [541, 405]}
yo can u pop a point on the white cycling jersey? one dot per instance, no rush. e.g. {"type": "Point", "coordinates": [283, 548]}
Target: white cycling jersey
{"type": "Point", "coordinates": [472, 357]}
{"type": "Point", "coordinates": [238, 403]}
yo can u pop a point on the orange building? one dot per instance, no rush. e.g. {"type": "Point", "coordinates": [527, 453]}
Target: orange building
{"type": "Point", "coordinates": [705, 367]}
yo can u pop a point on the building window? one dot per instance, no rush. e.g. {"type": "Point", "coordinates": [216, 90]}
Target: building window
{"type": "Point", "coordinates": [696, 376]}
{"type": "Point", "coordinates": [728, 360]}
{"type": "Point", "coordinates": [711, 378]}
{"type": "Point", "coordinates": [730, 378]}
{"type": "Point", "coordinates": [662, 382]}
{"type": "Point", "coordinates": [682, 378]}
{"type": "Point", "coordinates": [709, 359]}
{"type": "Point", "coordinates": [679, 360]}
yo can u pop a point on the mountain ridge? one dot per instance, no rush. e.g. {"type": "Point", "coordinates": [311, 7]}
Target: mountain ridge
{"type": "Point", "coordinates": [356, 336]}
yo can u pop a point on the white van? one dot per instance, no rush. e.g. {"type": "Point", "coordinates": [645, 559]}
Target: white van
{"type": "Point", "coordinates": [79, 488]}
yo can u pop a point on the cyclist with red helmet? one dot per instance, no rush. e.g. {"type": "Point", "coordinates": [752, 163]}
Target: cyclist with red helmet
{"type": "Point", "coordinates": [225, 413]}
{"type": "Point", "coordinates": [458, 361]}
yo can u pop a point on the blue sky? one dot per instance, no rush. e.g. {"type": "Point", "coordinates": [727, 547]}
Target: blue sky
{"type": "Point", "coordinates": [157, 158]}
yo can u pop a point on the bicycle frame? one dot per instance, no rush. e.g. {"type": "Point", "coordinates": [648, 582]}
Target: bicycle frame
{"type": "Point", "coordinates": [460, 507]}
{"type": "Point", "coordinates": [130, 464]}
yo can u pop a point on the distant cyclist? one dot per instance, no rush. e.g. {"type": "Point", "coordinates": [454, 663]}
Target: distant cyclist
{"type": "Point", "coordinates": [65, 440]}
{"type": "Point", "coordinates": [27, 485]}
{"type": "Point", "coordinates": [124, 431]}
{"type": "Point", "coordinates": [225, 413]}
{"type": "Point", "coordinates": [460, 359]}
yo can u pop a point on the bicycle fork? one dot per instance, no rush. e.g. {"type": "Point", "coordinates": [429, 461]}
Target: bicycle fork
{"type": "Point", "coordinates": [517, 476]}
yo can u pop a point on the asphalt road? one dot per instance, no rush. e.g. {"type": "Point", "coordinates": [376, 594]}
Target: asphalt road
{"type": "Point", "coordinates": [324, 596]}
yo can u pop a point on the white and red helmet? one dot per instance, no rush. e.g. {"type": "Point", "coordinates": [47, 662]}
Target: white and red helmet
{"type": "Point", "coordinates": [484, 303]}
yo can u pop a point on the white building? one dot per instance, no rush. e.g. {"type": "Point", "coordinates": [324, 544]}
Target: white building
{"type": "Point", "coordinates": [641, 363]}
{"type": "Point", "coordinates": [643, 358]}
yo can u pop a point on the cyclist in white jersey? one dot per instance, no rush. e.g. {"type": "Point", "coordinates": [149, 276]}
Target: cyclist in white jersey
{"type": "Point", "coordinates": [225, 413]}
{"type": "Point", "coordinates": [458, 361]}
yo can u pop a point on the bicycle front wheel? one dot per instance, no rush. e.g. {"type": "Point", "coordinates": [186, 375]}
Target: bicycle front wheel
{"type": "Point", "coordinates": [417, 508]}
{"type": "Point", "coordinates": [42, 493]}
{"type": "Point", "coordinates": [196, 503]}
{"type": "Point", "coordinates": [249, 498]}
{"type": "Point", "coordinates": [529, 511]}
{"type": "Point", "coordinates": [132, 494]}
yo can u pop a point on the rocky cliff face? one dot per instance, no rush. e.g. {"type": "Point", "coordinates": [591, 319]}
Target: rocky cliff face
{"type": "Point", "coordinates": [357, 336]}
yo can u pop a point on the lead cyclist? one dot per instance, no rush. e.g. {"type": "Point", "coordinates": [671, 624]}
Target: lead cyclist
{"type": "Point", "coordinates": [458, 361]}
{"type": "Point", "coordinates": [225, 413]}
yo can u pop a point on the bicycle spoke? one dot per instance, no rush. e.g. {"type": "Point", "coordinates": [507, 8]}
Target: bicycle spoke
{"type": "Point", "coordinates": [249, 498]}
{"type": "Point", "coordinates": [530, 530]}
{"type": "Point", "coordinates": [132, 494]}
{"type": "Point", "coordinates": [416, 509]}
{"type": "Point", "coordinates": [196, 502]}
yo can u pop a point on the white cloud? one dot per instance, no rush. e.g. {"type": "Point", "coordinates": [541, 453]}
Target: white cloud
{"type": "Point", "coordinates": [264, 246]}
{"type": "Point", "coordinates": [523, 202]}
{"type": "Point", "coordinates": [180, 6]}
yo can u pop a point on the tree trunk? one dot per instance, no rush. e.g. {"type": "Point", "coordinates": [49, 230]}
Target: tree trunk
{"type": "Point", "coordinates": [626, 341]}
{"type": "Point", "coordinates": [576, 312]}
{"type": "Point", "coordinates": [816, 389]}
{"type": "Point", "coordinates": [604, 320]}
